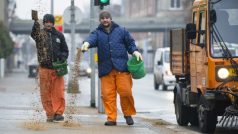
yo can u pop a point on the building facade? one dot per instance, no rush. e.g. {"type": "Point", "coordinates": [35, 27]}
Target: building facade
{"type": "Point", "coordinates": [3, 12]}
{"type": "Point", "coordinates": [7, 11]}
{"type": "Point", "coordinates": [166, 11]}
{"type": "Point", "coordinates": [140, 8]}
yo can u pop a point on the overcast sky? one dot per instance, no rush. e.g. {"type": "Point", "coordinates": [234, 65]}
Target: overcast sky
{"type": "Point", "coordinates": [24, 7]}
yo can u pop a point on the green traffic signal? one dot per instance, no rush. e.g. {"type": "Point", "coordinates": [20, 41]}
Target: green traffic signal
{"type": "Point", "coordinates": [101, 3]}
{"type": "Point", "coordinates": [104, 1]}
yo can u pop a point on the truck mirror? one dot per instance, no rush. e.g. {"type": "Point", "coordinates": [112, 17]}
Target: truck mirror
{"type": "Point", "coordinates": [191, 31]}
{"type": "Point", "coordinates": [213, 16]}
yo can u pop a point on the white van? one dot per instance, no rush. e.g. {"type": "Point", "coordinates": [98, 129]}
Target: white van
{"type": "Point", "coordinates": [162, 73]}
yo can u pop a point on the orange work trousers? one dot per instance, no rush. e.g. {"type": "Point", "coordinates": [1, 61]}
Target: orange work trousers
{"type": "Point", "coordinates": [52, 92]}
{"type": "Point", "coordinates": [121, 83]}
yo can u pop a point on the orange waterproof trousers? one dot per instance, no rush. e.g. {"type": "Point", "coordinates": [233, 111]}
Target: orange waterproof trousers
{"type": "Point", "coordinates": [121, 83]}
{"type": "Point", "coordinates": [52, 92]}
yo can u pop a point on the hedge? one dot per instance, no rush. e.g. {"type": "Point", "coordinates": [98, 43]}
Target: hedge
{"type": "Point", "coordinates": [6, 43]}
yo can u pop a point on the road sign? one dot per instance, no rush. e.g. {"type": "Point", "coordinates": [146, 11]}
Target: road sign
{"type": "Point", "coordinates": [59, 28]}
{"type": "Point", "coordinates": [58, 20]}
{"type": "Point", "coordinates": [59, 23]}
{"type": "Point", "coordinates": [67, 15]}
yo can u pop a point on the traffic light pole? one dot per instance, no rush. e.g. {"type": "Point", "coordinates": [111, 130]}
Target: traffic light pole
{"type": "Point", "coordinates": [100, 103]}
{"type": "Point", "coordinates": [92, 64]}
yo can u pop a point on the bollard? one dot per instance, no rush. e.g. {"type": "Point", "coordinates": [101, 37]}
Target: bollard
{"type": "Point", "coordinates": [100, 103]}
{"type": "Point", "coordinates": [2, 69]}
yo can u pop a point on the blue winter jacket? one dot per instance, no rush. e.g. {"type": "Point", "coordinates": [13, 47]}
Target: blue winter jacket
{"type": "Point", "coordinates": [112, 48]}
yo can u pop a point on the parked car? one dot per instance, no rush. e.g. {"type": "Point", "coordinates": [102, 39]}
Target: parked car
{"type": "Point", "coordinates": [162, 73]}
{"type": "Point", "coordinates": [84, 69]}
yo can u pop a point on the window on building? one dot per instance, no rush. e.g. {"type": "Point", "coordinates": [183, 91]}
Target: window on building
{"type": "Point", "coordinates": [175, 4]}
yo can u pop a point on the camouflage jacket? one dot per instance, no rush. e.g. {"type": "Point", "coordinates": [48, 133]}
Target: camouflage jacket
{"type": "Point", "coordinates": [51, 45]}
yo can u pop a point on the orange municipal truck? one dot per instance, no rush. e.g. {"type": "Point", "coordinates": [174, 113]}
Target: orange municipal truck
{"type": "Point", "coordinates": [204, 59]}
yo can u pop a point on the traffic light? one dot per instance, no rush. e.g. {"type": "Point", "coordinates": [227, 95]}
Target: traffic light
{"type": "Point", "coordinates": [104, 2]}
{"type": "Point", "coordinates": [101, 3]}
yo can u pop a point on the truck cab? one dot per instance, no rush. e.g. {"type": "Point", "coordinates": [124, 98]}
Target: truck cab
{"type": "Point", "coordinates": [204, 61]}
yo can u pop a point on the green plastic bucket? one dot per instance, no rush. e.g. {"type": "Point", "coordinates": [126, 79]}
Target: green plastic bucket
{"type": "Point", "coordinates": [136, 68]}
{"type": "Point", "coordinates": [60, 67]}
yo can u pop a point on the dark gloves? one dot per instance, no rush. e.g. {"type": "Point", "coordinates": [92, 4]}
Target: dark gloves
{"type": "Point", "coordinates": [36, 25]}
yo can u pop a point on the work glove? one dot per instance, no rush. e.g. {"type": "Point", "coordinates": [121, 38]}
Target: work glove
{"type": "Point", "coordinates": [138, 55]}
{"type": "Point", "coordinates": [85, 46]}
{"type": "Point", "coordinates": [36, 26]}
{"type": "Point", "coordinates": [36, 23]}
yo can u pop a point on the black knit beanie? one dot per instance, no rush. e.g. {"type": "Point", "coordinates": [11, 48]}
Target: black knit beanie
{"type": "Point", "coordinates": [48, 17]}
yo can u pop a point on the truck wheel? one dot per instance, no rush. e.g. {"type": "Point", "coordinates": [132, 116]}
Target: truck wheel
{"type": "Point", "coordinates": [164, 87]}
{"type": "Point", "coordinates": [156, 85]}
{"type": "Point", "coordinates": [207, 119]}
{"type": "Point", "coordinates": [181, 111]}
{"type": "Point", "coordinates": [193, 116]}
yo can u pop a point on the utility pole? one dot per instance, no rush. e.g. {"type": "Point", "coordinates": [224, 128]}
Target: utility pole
{"type": "Point", "coordinates": [52, 7]}
{"type": "Point", "coordinates": [73, 86]}
{"type": "Point", "coordinates": [72, 31]}
{"type": "Point", "coordinates": [92, 64]}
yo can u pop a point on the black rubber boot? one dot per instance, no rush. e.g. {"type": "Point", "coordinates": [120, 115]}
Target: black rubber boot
{"type": "Point", "coordinates": [110, 123]}
{"type": "Point", "coordinates": [58, 118]}
{"type": "Point", "coordinates": [129, 120]}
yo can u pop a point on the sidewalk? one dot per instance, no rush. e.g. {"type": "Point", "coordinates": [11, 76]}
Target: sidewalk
{"type": "Point", "coordinates": [21, 112]}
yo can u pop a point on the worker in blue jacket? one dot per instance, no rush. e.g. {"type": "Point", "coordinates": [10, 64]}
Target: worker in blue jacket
{"type": "Point", "coordinates": [114, 43]}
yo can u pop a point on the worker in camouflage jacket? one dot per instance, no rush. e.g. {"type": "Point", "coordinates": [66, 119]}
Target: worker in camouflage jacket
{"type": "Point", "coordinates": [51, 46]}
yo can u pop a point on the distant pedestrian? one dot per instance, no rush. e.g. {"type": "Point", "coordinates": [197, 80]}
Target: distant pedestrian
{"type": "Point", "coordinates": [113, 43]}
{"type": "Point", "coordinates": [51, 47]}
{"type": "Point", "coordinates": [19, 62]}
